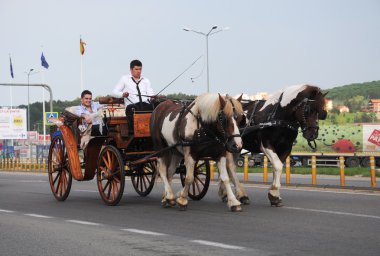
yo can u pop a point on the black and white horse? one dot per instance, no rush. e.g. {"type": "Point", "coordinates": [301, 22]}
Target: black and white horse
{"type": "Point", "coordinates": [205, 128]}
{"type": "Point", "coordinates": [272, 127]}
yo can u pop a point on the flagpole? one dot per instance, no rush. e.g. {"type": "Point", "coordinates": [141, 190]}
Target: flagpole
{"type": "Point", "coordinates": [43, 99]}
{"type": "Point", "coordinates": [11, 95]}
{"type": "Point", "coordinates": [10, 88]}
{"type": "Point", "coordinates": [81, 73]}
{"type": "Point", "coordinates": [43, 104]}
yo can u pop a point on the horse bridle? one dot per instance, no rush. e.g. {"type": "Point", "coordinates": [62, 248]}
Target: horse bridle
{"type": "Point", "coordinates": [221, 126]}
{"type": "Point", "coordinates": [305, 114]}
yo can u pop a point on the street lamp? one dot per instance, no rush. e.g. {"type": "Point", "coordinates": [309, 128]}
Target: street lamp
{"type": "Point", "coordinates": [206, 35]}
{"type": "Point", "coordinates": [28, 74]}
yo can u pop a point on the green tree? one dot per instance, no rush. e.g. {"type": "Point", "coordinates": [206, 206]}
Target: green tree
{"type": "Point", "coordinates": [355, 103]}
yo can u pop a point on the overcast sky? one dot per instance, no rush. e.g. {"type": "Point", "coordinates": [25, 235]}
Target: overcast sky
{"type": "Point", "coordinates": [270, 44]}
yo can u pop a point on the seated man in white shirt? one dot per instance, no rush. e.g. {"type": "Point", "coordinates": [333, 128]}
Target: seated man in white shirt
{"type": "Point", "coordinates": [135, 90]}
{"type": "Point", "coordinates": [88, 110]}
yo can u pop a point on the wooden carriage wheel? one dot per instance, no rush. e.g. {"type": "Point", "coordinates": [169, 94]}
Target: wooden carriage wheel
{"type": "Point", "coordinates": [201, 180]}
{"type": "Point", "coordinates": [143, 178]}
{"type": "Point", "coordinates": [60, 177]}
{"type": "Point", "coordinates": [110, 175]}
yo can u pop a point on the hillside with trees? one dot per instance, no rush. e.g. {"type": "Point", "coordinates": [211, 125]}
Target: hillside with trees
{"type": "Point", "coordinates": [354, 96]}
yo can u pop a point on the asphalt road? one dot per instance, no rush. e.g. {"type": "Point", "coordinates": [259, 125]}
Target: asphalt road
{"type": "Point", "coordinates": [312, 222]}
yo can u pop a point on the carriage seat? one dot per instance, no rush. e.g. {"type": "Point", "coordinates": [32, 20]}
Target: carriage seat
{"type": "Point", "coordinates": [113, 107]}
{"type": "Point", "coordinates": [82, 131]}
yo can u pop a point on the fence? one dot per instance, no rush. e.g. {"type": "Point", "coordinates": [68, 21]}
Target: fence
{"type": "Point", "coordinates": [313, 171]}
{"type": "Point", "coordinates": [24, 164]}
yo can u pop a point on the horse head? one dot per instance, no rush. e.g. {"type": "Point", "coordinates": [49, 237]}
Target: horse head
{"type": "Point", "coordinates": [222, 114]}
{"type": "Point", "coordinates": [309, 110]}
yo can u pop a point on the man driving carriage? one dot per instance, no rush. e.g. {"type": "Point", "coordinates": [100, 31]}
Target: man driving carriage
{"type": "Point", "coordinates": [135, 89]}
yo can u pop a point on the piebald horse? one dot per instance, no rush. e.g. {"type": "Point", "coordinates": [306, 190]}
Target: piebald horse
{"type": "Point", "coordinates": [205, 128]}
{"type": "Point", "coordinates": [272, 127]}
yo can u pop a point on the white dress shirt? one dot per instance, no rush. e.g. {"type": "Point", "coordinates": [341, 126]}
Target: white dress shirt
{"type": "Point", "coordinates": [126, 84]}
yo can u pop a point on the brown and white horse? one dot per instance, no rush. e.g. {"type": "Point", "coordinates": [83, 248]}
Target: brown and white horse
{"type": "Point", "coordinates": [273, 127]}
{"type": "Point", "coordinates": [205, 128]}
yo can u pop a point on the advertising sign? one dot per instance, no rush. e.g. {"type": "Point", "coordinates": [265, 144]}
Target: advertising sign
{"type": "Point", "coordinates": [13, 123]}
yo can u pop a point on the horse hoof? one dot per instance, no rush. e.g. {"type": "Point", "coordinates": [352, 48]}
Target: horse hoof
{"type": "Point", "coordinates": [171, 202]}
{"type": "Point", "coordinates": [275, 201]}
{"type": "Point", "coordinates": [236, 208]}
{"type": "Point", "coordinates": [182, 207]}
{"type": "Point", "coordinates": [277, 204]}
{"type": "Point", "coordinates": [168, 203]}
{"type": "Point", "coordinates": [244, 200]}
{"type": "Point", "coordinates": [224, 199]}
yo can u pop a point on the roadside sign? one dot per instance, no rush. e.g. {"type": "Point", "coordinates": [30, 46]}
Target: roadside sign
{"type": "Point", "coordinates": [49, 115]}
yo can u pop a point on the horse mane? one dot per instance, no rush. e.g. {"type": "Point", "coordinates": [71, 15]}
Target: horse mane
{"type": "Point", "coordinates": [294, 94]}
{"type": "Point", "coordinates": [208, 106]}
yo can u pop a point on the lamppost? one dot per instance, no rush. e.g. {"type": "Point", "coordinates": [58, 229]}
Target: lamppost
{"type": "Point", "coordinates": [28, 74]}
{"type": "Point", "coordinates": [206, 35]}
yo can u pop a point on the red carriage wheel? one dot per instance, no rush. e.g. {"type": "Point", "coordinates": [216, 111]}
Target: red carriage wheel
{"type": "Point", "coordinates": [201, 180]}
{"type": "Point", "coordinates": [143, 178]}
{"type": "Point", "coordinates": [110, 175]}
{"type": "Point", "coordinates": [60, 177]}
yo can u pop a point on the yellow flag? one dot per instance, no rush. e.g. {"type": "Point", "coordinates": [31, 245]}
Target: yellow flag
{"type": "Point", "coordinates": [81, 47]}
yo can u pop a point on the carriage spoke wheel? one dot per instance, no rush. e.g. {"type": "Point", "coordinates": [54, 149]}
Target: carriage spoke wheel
{"type": "Point", "coordinates": [110, 176]}
{"type": "Point", "coordinates": [60, 177]}
{"type": "Point", "coordinates": [143, 178]}
{"type": "Point", "coordinates": [201, 180]}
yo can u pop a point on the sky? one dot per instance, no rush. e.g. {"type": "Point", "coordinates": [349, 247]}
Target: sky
{"type": "Point", "coordinates": [269, 45]}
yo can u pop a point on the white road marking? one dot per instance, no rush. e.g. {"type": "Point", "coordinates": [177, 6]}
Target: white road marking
{"type": "Point", "coordinates": [144, 232]}
{"type": "Point", "coordinates": [333, 212]}
{"type": "Point", "coordinates": [84, 222]}
{"type": "Point", "coordinates": [220, 245]}
{"type": "Point", "coordinates": [25, 181]}
{"type": "Point", "coordinates": [6, 211]}
{"type": "Point", "coordinates": [38, 216]}
{"type": "Point", "coordinates": [84, 190]}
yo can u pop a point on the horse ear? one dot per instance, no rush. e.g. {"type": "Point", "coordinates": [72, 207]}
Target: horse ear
{"type": "Point", "coordinates": [222, 101]}
{"type": "Point", "coordinates": [324, 95]}
{"type": "Point", "coordinates": [240, 98]}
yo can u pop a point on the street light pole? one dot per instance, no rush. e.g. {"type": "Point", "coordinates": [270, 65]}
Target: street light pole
{"type": "Point", "coordinates": [28, 74]}
{"type": "Point", "coordinates": [28, 100]}
{"type": "Point", "coordinates": [206, 36]}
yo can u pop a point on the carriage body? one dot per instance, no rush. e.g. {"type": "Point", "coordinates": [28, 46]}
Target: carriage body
{"type": "Point", "coordinates": [117, 149]}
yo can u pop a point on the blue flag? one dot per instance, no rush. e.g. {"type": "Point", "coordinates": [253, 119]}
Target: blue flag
{"type": "Point", "coordinates": [44, 62]}
{"type": "Point", "coordinates": [11, 67]}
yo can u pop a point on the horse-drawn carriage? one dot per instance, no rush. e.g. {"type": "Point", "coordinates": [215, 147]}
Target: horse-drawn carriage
{"type": "Point", "coordinates": [115, 150]}
{"type": "Point", "coordinates": [206, 129]}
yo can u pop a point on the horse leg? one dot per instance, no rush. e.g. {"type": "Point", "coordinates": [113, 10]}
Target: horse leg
{"type": "Point", "coordinates": [168, 198]}
{"type": "Point", "coordinates": [274, 191]}
{"type": "Point", "coordinates": [231, 168]}
{"type": "Point", "coordinates": [182, 195]}
{"type": "Point", "coordinates": [233, 204]}
{"type": "Point", "coordinates": [222, 192]}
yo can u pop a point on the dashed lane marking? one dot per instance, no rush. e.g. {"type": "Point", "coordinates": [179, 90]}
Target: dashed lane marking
{"type": "Point", "coordinates": [86, 190]}
{"type": "Point", "coordinates": [333, 212]}
{"type": "Point", "coordinates": [83, 222]}
{"type": "Point", "coordinates": [144, 232]}
{"type": "Point", "coordinates": [38, 216]}
{"type": "Point", "coordinates": [220, 245]}
{"type": "Point", "coordinates": [6, 211]}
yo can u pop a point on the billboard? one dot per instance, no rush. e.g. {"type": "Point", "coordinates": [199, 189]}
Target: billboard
{"type": "Point", "coordinates": [349, 138]}
{"type": "Point", "coordinates": [13, 123]}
